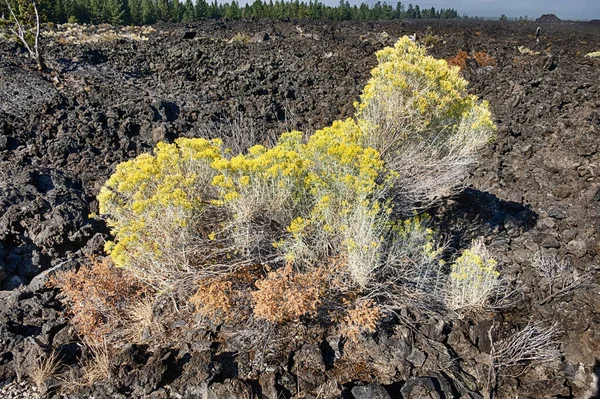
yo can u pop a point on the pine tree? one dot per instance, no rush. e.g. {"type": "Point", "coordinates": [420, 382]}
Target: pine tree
{"type": "Point", "coordinates": [135, 11]}
{"type": "Point", "coordinates": [189, 13]}
{"type": "Point", "coordinates": [114, 12]}
{"type": "Point", "coordinates": [410, 13]}
{"type": "Point", "coordinates": [163, 10]}
{"type": "Point", "coordinates": [202, 9]}
{"type": "Point", "coordinates": [214, 11]}
{"type": "Point", "coordinates": [177, 11]}
{"type": "Point", "coordinates": [96, 11]}
{"type": "Point", "coordinates": [148, 12]}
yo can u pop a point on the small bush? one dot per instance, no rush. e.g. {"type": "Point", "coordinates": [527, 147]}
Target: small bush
{"type": "Point", "coordinates": [363, 317]}
{"type": "Point", "coordinates": [415, 110]}
{"type": "Point", "coordinates": [484, 59]}
{"type": "Point", "coordinates": [430, 40]}
{"type": "Point", "coordinates": [411, 272]}
{"type": "Point", "coordinates": [473, 279]}
{"type": "Point", "coordinates": [526, 348]}
{"type": "Point", "coordinates": [98, 295]}
{"type": "Point", "coordinates": [286, 296]}
{"type": "Point", "coordinates": [558, 277]}
{"type": "Point", "coordinates": [459, 60]}
{"type": "Point", "coordinates": [224, 298]}
{"type": "Point", "coordinates": [240, 38]}
{"type": "Point", "coordinates": [159, 210]}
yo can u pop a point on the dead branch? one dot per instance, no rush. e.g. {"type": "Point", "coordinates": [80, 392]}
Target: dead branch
{"type": "Point", "coordinates": [22, 31]}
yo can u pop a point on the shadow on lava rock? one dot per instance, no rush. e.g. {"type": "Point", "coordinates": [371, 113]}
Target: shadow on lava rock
{"type": "Point", "coordinates": [595, 388]}
{"type": "Point", "coordinates": [474, 213]}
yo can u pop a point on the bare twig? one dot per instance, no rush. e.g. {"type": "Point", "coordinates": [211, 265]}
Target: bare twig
{"type": "Point", "coordinates": [528, 347]}
{"type": "Point", "coordinates": [559, 277]}
{"type": "Point", "coordinates": [22, 31]}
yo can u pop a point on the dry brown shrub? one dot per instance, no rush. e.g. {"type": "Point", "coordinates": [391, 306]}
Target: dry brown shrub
{"type": "Point", "coordinates": [215, 299]}
{"type": "Point", "coordinates": [484, 59]}
{"type": "Point", "coordinates": [521, 61]}
{"type": "Point", "coordinates": [459, 60]}
{"type": "Point", "coordinates": [226, 298]}
{"type": "Point", "coordinates": [286, 295]}
{"type": "Point", "coordinates": [97, 293]}
{"type": "Point", "coordinates": [362, 318]}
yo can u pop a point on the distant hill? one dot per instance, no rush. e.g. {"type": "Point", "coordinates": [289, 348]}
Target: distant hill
{"type": "Point", "coordinates": [548, 18]}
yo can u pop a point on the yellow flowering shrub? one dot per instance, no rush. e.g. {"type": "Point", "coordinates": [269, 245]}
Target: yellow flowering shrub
{"type": "Point", "coordinates": [473, 279]}
{"type": "Point", "coordinates": [309, 191]}
{"type": "Point", "coordinates": [415, 110]}
{"type": "Point", "coordinates": [155, 206]}
{"type": "Point", "coordinates": [193, 207]}
{"type": "Point", "coordinates": [407, 75]}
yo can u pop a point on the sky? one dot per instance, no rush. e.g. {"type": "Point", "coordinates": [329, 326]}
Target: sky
{"type": "Point", "coordinates": [564, 9]}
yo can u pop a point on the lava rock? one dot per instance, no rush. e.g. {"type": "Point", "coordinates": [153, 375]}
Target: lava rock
{"type": "Point", "coordinates": [371, 391]}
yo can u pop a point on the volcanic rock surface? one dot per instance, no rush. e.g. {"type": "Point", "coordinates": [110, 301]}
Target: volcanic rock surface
{"type": "Point", "coordinates": [536, 189]}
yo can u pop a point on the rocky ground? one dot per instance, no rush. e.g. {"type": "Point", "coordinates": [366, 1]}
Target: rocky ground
{"type": "Point", "coordinates": [112, 97]}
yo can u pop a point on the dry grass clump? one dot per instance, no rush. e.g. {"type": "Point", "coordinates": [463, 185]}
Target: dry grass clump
{"type": "Point", "coordinates": [44, 368]}
{"type": "Point", "coordinates": [93, 368]}
{"type": "Point", "coordinates": [71, 33]}
{"type": "Point", "coordinates": [98, 295]}
{"type": "Point", "coordinates": [140, 318]}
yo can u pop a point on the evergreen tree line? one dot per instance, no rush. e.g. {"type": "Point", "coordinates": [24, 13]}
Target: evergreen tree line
{"type": "Point", "coordinates": [143, 12]}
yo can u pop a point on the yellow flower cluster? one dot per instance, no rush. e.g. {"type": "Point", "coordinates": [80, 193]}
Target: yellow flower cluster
{"type": "Point", "coordinates": [151, 188]}
{"type": "Point", "coordinates": [474, 269]}
{"type": "Point", "coordinates": [320, 180]}
{"type": "Point", "coordinates": [434, 92]}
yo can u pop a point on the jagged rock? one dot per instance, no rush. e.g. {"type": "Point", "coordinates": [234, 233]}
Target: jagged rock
{"type": "Point", "coordinates": [234, 389]}
{"type": "Point", "coordinates": [577, 248]}
{"type": "Point", "coordinates": [371, 391]}
{"type": "Point", "coordinates": [43, 216]}
{"type": "Point", "coordinates": [426, 387]}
